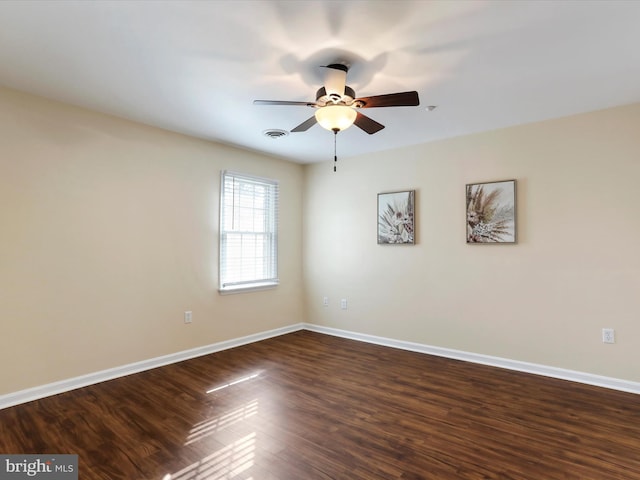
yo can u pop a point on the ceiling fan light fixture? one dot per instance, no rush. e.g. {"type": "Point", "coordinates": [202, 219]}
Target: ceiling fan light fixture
{"type": "Point", "coordinates": [336, 117]}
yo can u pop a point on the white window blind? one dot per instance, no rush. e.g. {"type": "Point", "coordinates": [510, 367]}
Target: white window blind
{"type": "Point", "coordinates": [248, 232]}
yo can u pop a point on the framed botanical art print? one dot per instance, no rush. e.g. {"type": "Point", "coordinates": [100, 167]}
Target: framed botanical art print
{"type": "Point", "coordinates": [491, 212]}
{"type": "Point", "coordinates": [396, 218]}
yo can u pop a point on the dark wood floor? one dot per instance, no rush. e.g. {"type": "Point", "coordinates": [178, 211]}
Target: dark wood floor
{"type": "Point", "coordinates": [308, 406]}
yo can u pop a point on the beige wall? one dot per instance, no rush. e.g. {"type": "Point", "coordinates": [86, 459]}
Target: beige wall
{"type": "Point", "coordinates": [575, 269]}
{"type": "Point", "coordinates": [109, 233]}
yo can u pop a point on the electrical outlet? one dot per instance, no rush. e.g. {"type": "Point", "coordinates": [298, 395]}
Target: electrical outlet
{"type": "Point", "coordinates": [343, 304]}
{"type": "Point", "coordinates": [608, 335]}
{"type": "Point", "coordinates": [325, 301]}
{"type": "Point", "coordinates": [188, 316]}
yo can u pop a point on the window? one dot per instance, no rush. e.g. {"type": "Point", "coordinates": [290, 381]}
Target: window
{"type": "Point", "coordinates": [248, 232]}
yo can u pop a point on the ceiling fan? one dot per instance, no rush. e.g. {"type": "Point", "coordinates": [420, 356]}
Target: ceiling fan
{"type": "Point", "coordinates": [337, 106]}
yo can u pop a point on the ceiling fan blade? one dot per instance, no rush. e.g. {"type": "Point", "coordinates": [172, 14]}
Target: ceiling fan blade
{"type": "Point", "coordinates": [367, 124]}
{"type": "Point", "coordinates": [283, 102]}
{"type": "Point", "coordinates": [403, 99]}
{"type": "Point", "coordinates": [306, 125]}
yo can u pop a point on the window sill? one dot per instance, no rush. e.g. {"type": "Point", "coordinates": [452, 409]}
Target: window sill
{"type": "Point", "coordinates": [247, 288]}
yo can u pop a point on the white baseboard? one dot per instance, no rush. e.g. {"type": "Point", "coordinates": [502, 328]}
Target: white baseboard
{"type": "Point", "coordinates": [554, 372]}
{"type": "Point", "coordinates": [49, 389]}
{"type": "Point", "coordinates": [55, 388]}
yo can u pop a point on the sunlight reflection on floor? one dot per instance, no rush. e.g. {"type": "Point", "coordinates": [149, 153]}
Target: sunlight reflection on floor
{"type": "Point", "coordinates": [232, 460]}
{"type": "Point", "coordinates": [235, 382]}
{"type": "Point", "coordinates": [213, 425]}
{"type": "Point", "coordinates": [224, 464]}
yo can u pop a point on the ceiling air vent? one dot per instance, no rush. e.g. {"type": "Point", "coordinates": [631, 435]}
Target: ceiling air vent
{"type": "Point", "coordinates": [275, 133]}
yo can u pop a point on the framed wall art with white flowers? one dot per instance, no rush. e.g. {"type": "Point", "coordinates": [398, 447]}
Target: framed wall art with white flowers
{"type": "Point", "coordinates": [396, 218]}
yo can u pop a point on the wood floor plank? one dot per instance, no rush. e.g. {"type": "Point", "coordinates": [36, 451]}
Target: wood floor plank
{"type": "Point", "coordinates": [306, 406]}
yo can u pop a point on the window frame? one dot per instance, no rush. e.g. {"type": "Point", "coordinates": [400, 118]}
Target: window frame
{"type": "Point", "coordinates": [230, 282]}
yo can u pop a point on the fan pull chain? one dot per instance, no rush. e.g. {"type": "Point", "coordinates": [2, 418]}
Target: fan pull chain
{"type": "Point", "coordinates": [335, 155]}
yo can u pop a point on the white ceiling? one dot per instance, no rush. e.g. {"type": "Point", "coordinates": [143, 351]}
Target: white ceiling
{"type": "Point", "coordinates": [196, 66]}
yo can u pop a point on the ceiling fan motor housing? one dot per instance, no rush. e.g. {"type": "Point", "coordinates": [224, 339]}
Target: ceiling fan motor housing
{"type": "Point", "coordinates": [335, 81]}
{"type": "Point", "coordinates": [347, 98]}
